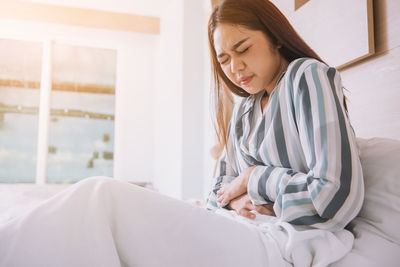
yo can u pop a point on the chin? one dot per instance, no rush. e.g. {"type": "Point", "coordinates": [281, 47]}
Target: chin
{"type": "Point", "coordinates": [252, 90]}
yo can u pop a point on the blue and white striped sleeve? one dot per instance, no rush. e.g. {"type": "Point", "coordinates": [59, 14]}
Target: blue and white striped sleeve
{"type": "Point", "coordinates": [330, 193]}
{"type": "Point", "coordinates": [225, 175]}
{"type": "Point", "coordinates": [225, 171]}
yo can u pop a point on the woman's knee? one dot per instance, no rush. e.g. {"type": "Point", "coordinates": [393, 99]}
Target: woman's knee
{"type": "Point", "coordinates": [94, 181]}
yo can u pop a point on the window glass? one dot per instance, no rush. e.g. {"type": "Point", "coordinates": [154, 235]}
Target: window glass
{"type": "Point", "coordinates": [82, 103]}
{"type": "Point", "coordinates": [20, 74]}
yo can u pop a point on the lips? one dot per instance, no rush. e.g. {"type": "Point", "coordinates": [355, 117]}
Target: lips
{"type": "Point", "coordinates": [245, 80]}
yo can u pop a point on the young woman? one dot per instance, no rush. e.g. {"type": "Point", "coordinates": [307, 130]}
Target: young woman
{"type": "Point", "coordinates": [290, 148]}
{"type": "Point", "coordinates": [290, 167]}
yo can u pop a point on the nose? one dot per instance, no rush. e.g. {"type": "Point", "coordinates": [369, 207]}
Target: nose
{"type": "Point", "coordinates": [236, 65]}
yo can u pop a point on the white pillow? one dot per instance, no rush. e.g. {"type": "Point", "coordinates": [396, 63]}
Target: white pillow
{"type": "Point", "coordinates": [380, 160]}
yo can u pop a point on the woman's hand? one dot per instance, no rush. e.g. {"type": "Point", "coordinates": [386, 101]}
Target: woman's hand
{"type": "Point", "coordinates": [267, 209]}
{"type": "Point", "coordinates": [235, 188]}
{"type": "Point", "coordinates": [243, 206]}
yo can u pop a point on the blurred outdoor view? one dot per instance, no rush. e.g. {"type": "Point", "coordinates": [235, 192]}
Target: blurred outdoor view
{"type": "Point", "coordinates": [82, 104]}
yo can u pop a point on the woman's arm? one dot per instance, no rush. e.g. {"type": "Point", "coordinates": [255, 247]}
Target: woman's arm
{"type": "Point", "coordinates": [225, 175]}
{"type": "Point", "coordinates": [225, 171]}
{"type": "Point", "coordinates": [331, 193]}
{"type": "Point", "coordinates": [243, 206]}
{"type": "Point", "coordinates": [235, 193]}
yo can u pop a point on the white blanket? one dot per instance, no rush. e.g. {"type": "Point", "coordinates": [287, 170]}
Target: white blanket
{"type": "Point", "coordinates": [104, 222]}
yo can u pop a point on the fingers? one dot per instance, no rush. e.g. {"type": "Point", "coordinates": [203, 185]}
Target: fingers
{"type": "Point", "coordinates": [221, 199]}
{"type": "Point", "coordinates": [222, 203]}
{"type": "Point", "coordinates": [233, 189]}
{"type": "Point", "coordinates": [248, 205]}
{"type": "Point", "coordinates": [224, 197]}
{"type": "Point", "coordinates": [243, 206]}
{"type": "Point", "coordinates": [246, 213]}
{"type": "Point", "coordinates": [221, 191]}
{"type": "Point", "coordinates": [265, 209]}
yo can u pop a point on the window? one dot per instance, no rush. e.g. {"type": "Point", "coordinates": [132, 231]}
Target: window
{"type": "Point", "coordinates": [81, 129]}
{"type": "Point", "coordinates": [20, 74]}
{"type": "Point", "coordinates": [80, 140]}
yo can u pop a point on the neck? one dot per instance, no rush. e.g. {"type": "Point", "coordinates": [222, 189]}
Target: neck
{"type": "Point", "coordinates": [282, 67]}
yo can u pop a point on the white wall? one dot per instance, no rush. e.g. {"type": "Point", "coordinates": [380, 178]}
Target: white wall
{"type": "Point", "coordinates": [180, 101]}
{"type": "Point", "coordinates": [374, 84]}
{"type": "Point", "coordinates": [168, 102]}
{"type": "Point", "coordinates": [208, 128]}
{"type": "Point", "coordinates": [134, 158]}
{"type": "Point", "coordinates": [193, 99]}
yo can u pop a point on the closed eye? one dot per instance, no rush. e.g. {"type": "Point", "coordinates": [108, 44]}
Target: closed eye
{"type": "Point", "coordinates": [244, 50]}
{"type": "Point", "coordinates": [224, 62]}
{"type": "Point", "coordinates": [239, 52]}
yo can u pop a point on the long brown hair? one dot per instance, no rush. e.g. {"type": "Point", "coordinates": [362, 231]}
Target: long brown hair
{"type": "Point", "coordinates": [259, 15]}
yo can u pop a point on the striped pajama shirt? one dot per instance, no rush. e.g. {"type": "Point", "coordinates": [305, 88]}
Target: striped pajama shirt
{"type": "Point", "coordinates": [303, 149]}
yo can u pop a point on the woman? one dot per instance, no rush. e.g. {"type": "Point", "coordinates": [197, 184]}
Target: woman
{"type": "Point", "coordinates": [281, 159]}
{"type": "Point", "coordinates": [291, 151]}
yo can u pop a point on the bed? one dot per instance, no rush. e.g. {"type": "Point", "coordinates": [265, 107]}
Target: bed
{"type": "Point", "coordinates": [376, 231]}
{"type": "Point", "coordinates": [376, 228]}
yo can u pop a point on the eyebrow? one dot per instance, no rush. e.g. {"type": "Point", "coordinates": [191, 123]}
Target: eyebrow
{"type": "Point", "coordinates": [235, 46]}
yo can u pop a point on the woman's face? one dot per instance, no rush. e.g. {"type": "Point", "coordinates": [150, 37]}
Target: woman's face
{"type": "Point", "coordinates": [248, 58]}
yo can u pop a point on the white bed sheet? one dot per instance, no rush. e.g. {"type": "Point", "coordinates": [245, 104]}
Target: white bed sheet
{"type": "Point", "coordinates": [16, 199]}
{"type": "Point", "coordinates": [103, 222]}
{"type": "Point", "coordinates": [376, 229]}
{"type": "Point", "coordinates": [370, 247]}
